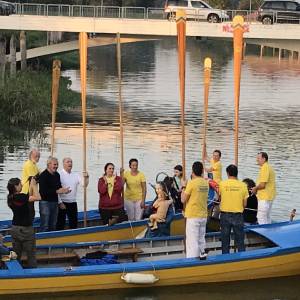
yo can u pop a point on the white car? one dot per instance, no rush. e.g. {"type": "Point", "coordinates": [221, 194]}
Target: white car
{"type": "Point", "coordinates": [195, 10]}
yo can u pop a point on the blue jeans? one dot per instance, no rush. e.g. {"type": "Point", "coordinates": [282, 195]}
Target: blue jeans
{"type": "Point", "coordinates": [233, 221]}
{"type": "Point", "coordinates": [48, 214]}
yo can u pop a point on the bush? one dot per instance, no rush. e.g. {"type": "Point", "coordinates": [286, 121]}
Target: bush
{"type": "Point", "coordinates": [26, 99]}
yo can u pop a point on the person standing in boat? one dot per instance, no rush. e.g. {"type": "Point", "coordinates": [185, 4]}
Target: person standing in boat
{"type": "Point", "coordinates": [50, 188]}
{"type": "Point", "coordinates": [67, 202]}
{"type": "Point", "coordinates": [111, 203]}
{"type": "Point", "coordinates": [30, 168]}
{"type": "Point", "coordinates": [194, 196]}
{"type": "Point", "coordinates": [215, 169]}
{"type": "Point", "coordinates": [176, 188]}
{"type": "Point", "coordinates": [234, 195]}
{"type": "Point", "coordinates": [22, 231]}
{"type": "Point", "coordinates": [265, 189]}
{"type": "Point", "coordinates": [250, 211]}
{"type": "Point", "coordinates": [135, 192]}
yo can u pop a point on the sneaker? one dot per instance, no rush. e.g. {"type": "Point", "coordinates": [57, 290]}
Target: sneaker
{"type": "Point", "coordinates": [13, 255]}
{"type": "Point", "coordinates": [203, 255]}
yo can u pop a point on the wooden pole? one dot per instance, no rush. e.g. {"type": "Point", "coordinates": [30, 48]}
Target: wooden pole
{"type": "Point", "coordinates": [238, 32]}
{"type": "Point", "coordinates": [83, 68]}
{"type": "Point", "coordinates": [207, 72]}
{"type": "Point", "coordinates": [55, 87]}
{"type": "Point", "coordinates": [120, 99]}
{"type": "Point", "coordinates": [181, 41]}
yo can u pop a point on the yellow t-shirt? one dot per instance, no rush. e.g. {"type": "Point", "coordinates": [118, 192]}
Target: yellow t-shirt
{"type": "Point", "coordinates": [233, 193]}
{"type": "Point", "coordinates": [196, 206]}
{"type": "Point", "coordinates": [110, 185]}
{"type": "Point", "coordinates": [134, 190]}
{"type": "Point", "coordinates": [267, 175]}
{"type": "Point", "coordinates": [29, 169]}
{"type": "Point", "coordinates": [217, 170]}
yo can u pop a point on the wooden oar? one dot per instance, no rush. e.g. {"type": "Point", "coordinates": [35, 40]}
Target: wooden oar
{"type": "Point", "coordinates": [238, 32]}
{"type": "Point", "coordinates": [181, 37]}
{"type": "Point", "coordinates": [120, 99]}
{"type": "Point", "coordinates": [55, 86]}
{"type": "Point", "coordinates": [207, 72]}
{"type": "Point", "coordinates": [83, 67]}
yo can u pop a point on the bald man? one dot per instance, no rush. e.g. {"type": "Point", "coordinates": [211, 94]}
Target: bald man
{"type": "Point", "coordinates": [67, 202]}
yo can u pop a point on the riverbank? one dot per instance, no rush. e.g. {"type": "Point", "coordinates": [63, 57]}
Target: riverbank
{"type": "Point", "coordinates": [25, 100]}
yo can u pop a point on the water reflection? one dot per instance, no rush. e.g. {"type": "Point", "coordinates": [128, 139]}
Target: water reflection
{"type": "Point", "coordinates": [269, 115]}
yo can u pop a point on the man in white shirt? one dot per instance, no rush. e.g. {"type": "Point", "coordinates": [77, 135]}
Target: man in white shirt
{"type": "Point", "coordinates": [67, 202]}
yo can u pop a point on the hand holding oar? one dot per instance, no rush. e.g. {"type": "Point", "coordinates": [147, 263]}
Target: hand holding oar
{"type": "Point", "coordinates": [207, 72]}
{"type": "Point", "coordinates": [238, 32]}
{"type": "Point", "coordinates": [83, 68]}
{"type": "Point", "coordinates": [55, 86]}
{"type": "Point", "coordinates": [181, 41]}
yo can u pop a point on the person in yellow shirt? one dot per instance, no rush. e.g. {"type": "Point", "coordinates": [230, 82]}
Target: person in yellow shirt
{"type": "Point", "coordinates": [135, 192]}
{"type": "Point", "coordinates": [194, 196]}
{"type": "Point", "coordinates": [215, 166]}
{"type": "Point", "coordinates": [265, 189]}
{"type": "Point", "coordinates": [30, 169]}
{"type": "Point", "coordinates": [234, 195]}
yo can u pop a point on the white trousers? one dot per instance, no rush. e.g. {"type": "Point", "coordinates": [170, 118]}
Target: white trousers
{"type": "Point", "coordinates": [264, 211]}
{"type": "Point", "coordinates": [195, 236]}
{"type": "Point", "coordinates": [134, 210]}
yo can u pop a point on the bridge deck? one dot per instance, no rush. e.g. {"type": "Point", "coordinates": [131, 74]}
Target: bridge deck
{"type": "Point", "coordinates": [144, 27]}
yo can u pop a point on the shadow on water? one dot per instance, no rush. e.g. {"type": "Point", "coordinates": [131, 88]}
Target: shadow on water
{"type": "Point", "coordinates": [287, 288]}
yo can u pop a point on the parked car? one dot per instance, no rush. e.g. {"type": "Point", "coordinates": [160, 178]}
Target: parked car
{"type": "Point", "coordinates": [195, 10]}
{"type": "Point", "coordinates": [285, 11]}
{"type": "Point", "coordinates": [7, 8]}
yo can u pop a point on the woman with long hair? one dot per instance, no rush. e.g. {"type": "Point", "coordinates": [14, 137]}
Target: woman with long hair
{"type": "Point", "coordinates": [22, 232]}
{"type": "Point", "coordinates": [111, 203]}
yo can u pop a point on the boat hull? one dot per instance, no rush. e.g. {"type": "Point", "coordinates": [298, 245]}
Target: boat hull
{"type": "Point", "coordinates": [277, 266]}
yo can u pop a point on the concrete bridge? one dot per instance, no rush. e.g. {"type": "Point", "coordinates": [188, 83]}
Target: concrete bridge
{"type": "Point", "coordinates": [145, 27]}
{"type": "Point", "coordinates": [285, 36]}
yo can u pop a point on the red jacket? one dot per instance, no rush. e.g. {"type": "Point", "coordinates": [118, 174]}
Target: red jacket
{"type": "Point", "coordinates": [116, 201]}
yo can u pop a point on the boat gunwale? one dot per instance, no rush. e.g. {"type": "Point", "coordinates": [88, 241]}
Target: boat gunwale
{"type": "Point", "coordinates": [91, 229]}
{"type": "Point", "coordinates": [146, 265]}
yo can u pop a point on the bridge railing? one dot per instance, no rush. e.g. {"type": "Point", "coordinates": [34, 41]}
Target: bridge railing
{"type": "Point", "coordinates": [115, 12]}
{"type": "Point", "coordinates": [138, 12]}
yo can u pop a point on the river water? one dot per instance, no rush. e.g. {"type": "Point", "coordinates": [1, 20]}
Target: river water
{"type": "Point", "coordinates": [269, 116]}
{"type": "Point", "coordinates": [269, 121]}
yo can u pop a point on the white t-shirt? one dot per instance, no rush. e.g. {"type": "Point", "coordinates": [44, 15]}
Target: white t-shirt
{"type": "Point", "coordinates": [71, 180]}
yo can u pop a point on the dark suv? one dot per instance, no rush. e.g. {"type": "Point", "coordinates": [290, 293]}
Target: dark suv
{"type": "Point", "coordinates": [7, 8]}
{"type": "Point", "coordinates": [280, 11]}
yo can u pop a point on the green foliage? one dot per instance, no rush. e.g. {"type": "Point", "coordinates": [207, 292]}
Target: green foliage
{"type": "Point", "coordinates": [26, 99]}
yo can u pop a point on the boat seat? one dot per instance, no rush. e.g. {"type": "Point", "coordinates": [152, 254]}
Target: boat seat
{"type": "Point", "coordinates": [54, 257]}
{"type": "Point", "coordinates": [125, 252]}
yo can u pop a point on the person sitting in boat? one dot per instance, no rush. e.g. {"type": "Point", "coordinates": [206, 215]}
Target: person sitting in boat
{"type": "Point", "coordinates": [111, 203]}
{"type": "Point", "coordinates": [194, 197]}
{"type": "Point", "coordinates": [250, 211]}
{"type": "Point", "coordinates": [161, 205]}
{"type": "Point", "coordinates": [22, 232]}
{"type": "Point", "coordinates": [135, 192]}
